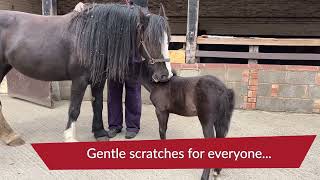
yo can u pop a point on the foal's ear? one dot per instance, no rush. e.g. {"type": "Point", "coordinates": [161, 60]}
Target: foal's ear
{"type": "Point", "coordinates": [144, 19]}
{"type": "Point", "coordinates": [162, 11]}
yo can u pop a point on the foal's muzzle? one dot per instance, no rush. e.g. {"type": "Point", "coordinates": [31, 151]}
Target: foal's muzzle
{"type": "Point", "coordinates": [162, 78]}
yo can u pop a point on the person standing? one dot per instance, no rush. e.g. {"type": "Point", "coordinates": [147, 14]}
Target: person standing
{"type": "Point", "coordinates": [132, 99]}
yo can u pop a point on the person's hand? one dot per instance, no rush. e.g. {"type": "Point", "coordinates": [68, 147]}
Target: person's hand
{"type": "Point", "coordinates": [79, 7]}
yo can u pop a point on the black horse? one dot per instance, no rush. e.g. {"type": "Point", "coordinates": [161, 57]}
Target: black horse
{"type": "Point", "coordinates": [85, 47]}
{"type": "Point", "coordinates": [203, 96]}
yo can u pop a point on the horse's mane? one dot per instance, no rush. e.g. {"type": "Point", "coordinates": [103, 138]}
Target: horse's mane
{"type": "Point", "coordinates": [107, 38]}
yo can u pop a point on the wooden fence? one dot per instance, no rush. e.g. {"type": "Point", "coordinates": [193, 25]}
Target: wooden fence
{"type": "Point", "coordinates": [254, 43]}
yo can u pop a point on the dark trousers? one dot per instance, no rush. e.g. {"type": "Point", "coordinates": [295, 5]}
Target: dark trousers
{"type": "Point", "coordinates": [132, 105]}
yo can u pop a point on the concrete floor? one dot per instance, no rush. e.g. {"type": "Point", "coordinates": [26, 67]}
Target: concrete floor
{"type": "Point", "coordinates": [40, 124]}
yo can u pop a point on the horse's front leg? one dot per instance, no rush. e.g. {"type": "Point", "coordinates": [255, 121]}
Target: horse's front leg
{"type": "Point", "coordinates": [163, 122]}
{"type": "Point", "coordinates": [78, 88]}
{"type": "Point", "coordinates": [97, 105]}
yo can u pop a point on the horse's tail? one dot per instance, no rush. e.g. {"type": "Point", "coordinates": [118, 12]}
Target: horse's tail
{"type": "Point", "coordinates": [222, 124]}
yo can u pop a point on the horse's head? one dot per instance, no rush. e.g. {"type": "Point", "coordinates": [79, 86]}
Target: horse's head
{"type": "Point", "coordinates": [154, 44]}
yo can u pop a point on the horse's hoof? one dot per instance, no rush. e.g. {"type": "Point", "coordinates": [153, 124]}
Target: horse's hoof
{"type": "Point", "coordinates": [102, 139]}
{"type": "Point", "coordinates": [101, 133]}
{"type": "Point", "coordinates": [16, 142]}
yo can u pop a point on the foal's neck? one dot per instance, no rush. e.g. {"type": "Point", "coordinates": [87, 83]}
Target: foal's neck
{"type": "Point", "coordinates": [148, 84]}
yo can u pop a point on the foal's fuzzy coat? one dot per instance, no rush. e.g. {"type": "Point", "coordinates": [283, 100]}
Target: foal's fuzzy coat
{"type": "Point", "coordinates": [203, 96]}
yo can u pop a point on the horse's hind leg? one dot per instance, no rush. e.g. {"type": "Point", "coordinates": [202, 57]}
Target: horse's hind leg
{"type": "Point", "coordinates": [78, 88]}
{"type": "Point", "coordinates": [6, 133]}
{"type": "Point", "coordinates": [97, 105]}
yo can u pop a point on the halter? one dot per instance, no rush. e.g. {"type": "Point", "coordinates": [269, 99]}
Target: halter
{"type": "Point", "coordinates": [151, 59]}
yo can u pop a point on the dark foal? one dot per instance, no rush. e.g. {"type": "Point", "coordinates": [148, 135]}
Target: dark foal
{"type": "Point", "coordinates": [202, 96]}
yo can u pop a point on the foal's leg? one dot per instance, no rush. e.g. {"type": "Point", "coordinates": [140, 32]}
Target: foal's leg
{"type": "Point", "coordinates": [163, 122]}
{"type": "Point", "coordinates": [221, 132]}
{"type": "Point", "coordinates": [78, 88]}
{"type": "Point", "coordinates": [97, 105]}
{"type": "Point", "coordinates": [6, 133]}
{"type": "Point", "coordinates": [207, 122]}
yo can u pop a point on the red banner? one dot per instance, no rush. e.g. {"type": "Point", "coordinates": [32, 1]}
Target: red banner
{"type": "Point", "coordinates": [255, 152]}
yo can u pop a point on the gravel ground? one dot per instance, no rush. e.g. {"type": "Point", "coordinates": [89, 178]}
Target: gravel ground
{"type": "Point", "coordinates": [39, 124]}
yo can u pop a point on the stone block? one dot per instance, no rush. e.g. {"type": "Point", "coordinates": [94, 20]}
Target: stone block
{"type": "Point", "coordinates": [299, 105]}
{"type": "Point", "coordinates": [189, 72]}
{"type": "Point", "coordinates": [293, 91]}
{"type": "Point", "coordinates": [219, 73]}
{"type": "Point", "coordinates": [264, 90]}
{"type": "Point", "coordinates": [314, 91]}
{"type": "Point", "coordinates": [301, 77]}
{"type": "Point", "coordinates": [235, 75]}
{"type": "Point", "coordinates": [270, 104]}
{"type": "Point", "coordinates": [272, 76]}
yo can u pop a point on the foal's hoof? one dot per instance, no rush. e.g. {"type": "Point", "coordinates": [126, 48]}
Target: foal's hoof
{"type": "Point", "coordinates": [16, 142]}
{"type": "Point", "coordinates": [102, 139]}
{"type": "Point", "coordinates": [216, 174]}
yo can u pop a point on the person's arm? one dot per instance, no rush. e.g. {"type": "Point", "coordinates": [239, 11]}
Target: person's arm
{"type": "Point", "coordinates": [79, 7]}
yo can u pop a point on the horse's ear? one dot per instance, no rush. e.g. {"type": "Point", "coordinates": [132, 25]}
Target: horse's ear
{"type": "Point", "coordinates": [144, 19]}
{"type": "Point", "coordinates": [162, 11]}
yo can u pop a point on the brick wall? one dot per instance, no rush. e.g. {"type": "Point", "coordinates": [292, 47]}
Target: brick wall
{"type": "Point", "coordinates": [266, 87]}
{"type": "Point", "coordinates": [289, 88]}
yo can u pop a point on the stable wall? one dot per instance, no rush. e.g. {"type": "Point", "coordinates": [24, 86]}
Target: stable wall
{"type": "Point", "coordinates": [266, 87]}
{"type": "Point", "coordinates": [257, 87]}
